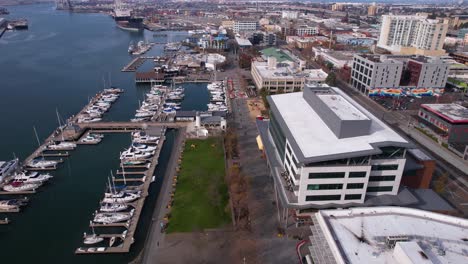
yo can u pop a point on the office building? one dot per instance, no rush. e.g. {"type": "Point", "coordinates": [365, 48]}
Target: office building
{"type": "Point", "coordinates": [284, 77]}
{"type": "Point", "coordinates": [412, 35]}
{"type": "Point", "coordinates": [305, 30]}
{"type": "Point", "coordinates": [245, 26]}
{"type": "Point", "coordinates": [324, 150]}
{"type": "Point", "coordinates": [386, 235]}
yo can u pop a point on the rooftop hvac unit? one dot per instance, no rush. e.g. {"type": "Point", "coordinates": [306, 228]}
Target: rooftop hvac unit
{"type": "Point", "coordinates": [392, 240]}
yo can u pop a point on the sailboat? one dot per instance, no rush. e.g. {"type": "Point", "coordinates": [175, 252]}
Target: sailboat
{"type": "Point", "coordinates": [63, 145]}
{"type": "Point", "coordinates": [94, 239]}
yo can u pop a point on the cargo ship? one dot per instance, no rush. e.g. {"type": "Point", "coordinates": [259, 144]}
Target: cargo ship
{"type": "Point", "coordinates": [126, 20]}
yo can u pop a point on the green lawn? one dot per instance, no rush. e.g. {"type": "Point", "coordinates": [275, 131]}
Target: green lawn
{"type": "Point", "coordinates": [201, 196]}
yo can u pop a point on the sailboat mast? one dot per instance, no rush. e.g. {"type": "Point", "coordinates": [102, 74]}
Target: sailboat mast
{"type": "Point", "coordinates": [38, 142]}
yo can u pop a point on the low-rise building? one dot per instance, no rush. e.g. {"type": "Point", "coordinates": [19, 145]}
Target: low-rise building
{"type": "Point", "coordinates": [305, 30]}
{"type": "Point", "coordinates": [325, 150]}
{"type": "Point", "coordinates": [447, 120]}
{"type": "Point", "coordinates": [386, 235]}
{"type": "Point", "coordinates": [245, 26]}
{"type": "Point", "coordinates": [290, 14]}
{"type": "Point", "coordinates": [338, 58]}
{"type": "Point", "coordinates": [229, 24]}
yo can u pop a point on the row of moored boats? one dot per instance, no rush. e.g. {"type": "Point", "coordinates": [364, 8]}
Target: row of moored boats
{"type": "Point", "coordinates": [217, 97]}
{"type": "Point", "coordinates": [94, 111]}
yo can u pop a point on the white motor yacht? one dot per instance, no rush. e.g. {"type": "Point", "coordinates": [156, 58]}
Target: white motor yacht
{"type": "Point", "coordinates": [109, 218]}
{"type": "Point", "coordinates": [61, 146]}
{"type": "Point", "coordinates": [144, 148]}
{"type": "Point", "coordinates": [113, 207]}
{"type": "Point", "coordinates": [20, 187]}
{"type": "Point", "coordinates": [33, 177]}
{"type": "Point", "coordinates": [42, 163]}
{"type": "Point", "coordinates": [128, 198]}
{"type": "Point", "coordinates": [91, 139]}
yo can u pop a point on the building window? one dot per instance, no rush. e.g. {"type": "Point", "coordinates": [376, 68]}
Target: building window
{"type": "Point", "coordinates": [312, 187]}
{"type": "Point", "coordinates": [326, 175]}
{"type": "Point", "coordinates": [354, 185]}
{"type": "Point", "coordinates": [381, 167]}
{"type": "Point", "coordinates": [382, 178]}
{"type": "Point", "coordinates": [277, 135]}
{"type": "Point", "coordinates": [380, 189]}
{"type": "Point", "coordinates": [357, 174]}
{"type": "Point", "coordinates": [353, 197]}
{"type": "Point", "coordinates": [322, 197]}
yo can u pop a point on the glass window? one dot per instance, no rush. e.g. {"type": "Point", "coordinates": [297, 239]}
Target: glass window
{"type": "Point", "coordinates": [357, 174]}
{"type": "Point", "coordinates": [380, 189]}
{"type": "Point", "coordinates": [322, 197]}
{"type": "Point", "coordinates": [382, 178]}
{"type": "Point", "coordinates": [325, 175]}
{"type": "Point", "coordinates": [277, 135]}
{"type": "Point", "coordinates": [385, 167]}
{"type": "Point", "coordinates": [353, 197]}
{"type": "Point", "coordinates": [312, 187]}
{"type": "Point", "coordinates": [354, 185]}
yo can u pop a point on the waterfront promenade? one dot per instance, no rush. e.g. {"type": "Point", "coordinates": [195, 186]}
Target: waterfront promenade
{"type": "Point", "coordinates": [155, 236]}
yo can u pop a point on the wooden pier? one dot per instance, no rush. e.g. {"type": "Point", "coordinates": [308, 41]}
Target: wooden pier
{"type": "Point", "coordinates": [17, 193]}
{"type": "Point", "coordinates": [134, 64]}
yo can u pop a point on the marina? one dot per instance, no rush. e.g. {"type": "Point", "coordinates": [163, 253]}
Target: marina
{"type": "Point", "coordinates": [78, 177]}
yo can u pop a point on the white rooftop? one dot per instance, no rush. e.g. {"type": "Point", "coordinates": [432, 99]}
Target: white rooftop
{"type": "Point", "coordinates": [315, 138]}
{"type": "Point", "coordinates": [243, 42]}
{"type": "Point", "coordinates": [341, 107]}
{"type": "Point", "coordinates": [359, 235]}
{"type": "Point", "coordinates": [288, 72]}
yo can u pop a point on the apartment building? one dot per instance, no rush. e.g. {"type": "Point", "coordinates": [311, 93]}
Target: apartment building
{"type": "Point", "coordinates": [325, 150]}
{"type": "Point", "coordinates": [386, 71]}
{"type": "Point", "coordinates": [245, 26]}
{"type": "Point", "coordinates": [412, 35]}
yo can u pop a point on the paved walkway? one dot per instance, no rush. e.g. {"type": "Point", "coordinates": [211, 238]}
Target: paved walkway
{"type": "Point", "coordinates": [262, 208]}
{"type": "Point", "coordinates": [156, 238]}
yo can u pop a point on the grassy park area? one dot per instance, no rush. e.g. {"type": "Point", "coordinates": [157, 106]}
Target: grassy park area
{"type": "Point", "coordinates": [201, 197]}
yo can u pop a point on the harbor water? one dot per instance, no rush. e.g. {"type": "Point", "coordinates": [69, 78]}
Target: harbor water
{"type": "Point", "coordinates": [58, 64]}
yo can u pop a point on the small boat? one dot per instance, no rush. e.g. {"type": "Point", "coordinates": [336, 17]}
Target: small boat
{"type": "Point", "coordinates": [113, 207]}
{"type": "Point", "coordinates": [7, 168]}
{"type": "Point", "coordinates": [91, 139]}
{"type": "Point", "coordinates": [112, 241]}
{"type": "Point", "coordinates": [91, 240]}
{"type": "Point", "coordinates": [20, 186]}
{"type": "Point", "coordinates": [13, 204]}
{"type": "Point", "coordinates": [91, 249]}
{"type": "Point", "coordinates": [42, 163]}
